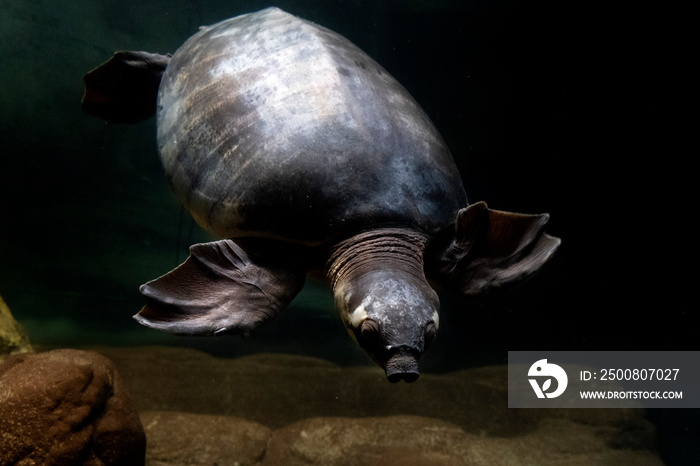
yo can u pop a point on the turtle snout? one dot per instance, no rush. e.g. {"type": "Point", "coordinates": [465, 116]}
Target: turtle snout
{"type": "Point", "coordinates": [402, 366]}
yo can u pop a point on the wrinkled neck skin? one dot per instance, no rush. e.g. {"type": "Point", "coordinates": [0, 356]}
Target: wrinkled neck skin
{"type": "Point", "coordinates": [384, 299]}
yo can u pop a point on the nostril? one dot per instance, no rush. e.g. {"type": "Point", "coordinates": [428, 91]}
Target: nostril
{"type": "Point", "coordinates": [408, 377]}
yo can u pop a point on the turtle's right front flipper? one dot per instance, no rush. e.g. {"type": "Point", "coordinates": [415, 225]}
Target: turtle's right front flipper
{"type": "Point", "coordinates": [219, 290]}
{"type": "Point", "coordinates": [124, 89]}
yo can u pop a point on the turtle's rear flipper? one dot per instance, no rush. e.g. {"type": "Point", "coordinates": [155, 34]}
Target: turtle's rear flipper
{"type": "Point", "coordinates": [218, 290]}
{"type": "Point", "coordinates": [124, 89]}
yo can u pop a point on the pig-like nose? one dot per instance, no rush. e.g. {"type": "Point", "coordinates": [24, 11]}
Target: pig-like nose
{"type": "Point", "coordinates": [402, 366]}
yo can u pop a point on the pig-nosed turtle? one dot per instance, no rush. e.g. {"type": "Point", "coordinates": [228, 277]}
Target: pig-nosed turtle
{"type": "Point", "coordinates": [289, 141]}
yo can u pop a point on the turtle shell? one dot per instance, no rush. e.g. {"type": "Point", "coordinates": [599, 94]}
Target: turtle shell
{"type": "Point", "coordinates": [272, 126]}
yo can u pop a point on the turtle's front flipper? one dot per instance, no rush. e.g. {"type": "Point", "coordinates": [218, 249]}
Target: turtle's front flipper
{"type": "Point", "coordinates": [218, 290]}
{"type": "Point", "coordinates": [493, 249]}
{"type": "Point", "coordinates": [124, 89]}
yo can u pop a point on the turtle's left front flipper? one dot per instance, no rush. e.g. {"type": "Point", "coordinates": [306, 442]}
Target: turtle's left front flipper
{"type": "Point", "coordinates": [219, 290]}
{"type": "Point", "coordinates": [124, 89]}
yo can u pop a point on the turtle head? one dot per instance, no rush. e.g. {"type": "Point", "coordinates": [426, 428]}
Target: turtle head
{"type": "Point", "coordinates": [393, 317]}
{"type": "Point", "coordinates": [388, 307]}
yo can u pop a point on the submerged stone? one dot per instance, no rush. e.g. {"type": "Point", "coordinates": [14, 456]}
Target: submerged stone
{"type": "Point", "coordinates": [176, 439]}
{"type": "Point", "coordinates": [13, 339]}
{"type": "Point", "coordinates": [67, 407]}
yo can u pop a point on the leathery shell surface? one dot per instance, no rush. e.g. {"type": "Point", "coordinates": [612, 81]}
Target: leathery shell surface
{"type": "Point", "coordinates": [269, 125]}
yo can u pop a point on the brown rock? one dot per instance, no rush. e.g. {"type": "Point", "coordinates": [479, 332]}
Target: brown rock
{"type": "Point", "coordinates": [67, 407]}
{"type": "Point", "coordinates": [395, 440]}
{"type": "Point", "coordinates": [183, 439]}
{"type": "Point", "coordinates": [410, 440]}
{"type": "Point", "coordinates": [13, 340]}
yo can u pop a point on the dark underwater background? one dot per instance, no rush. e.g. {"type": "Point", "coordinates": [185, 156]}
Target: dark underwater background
{"type": "Point", "coordinates": [576, 109]}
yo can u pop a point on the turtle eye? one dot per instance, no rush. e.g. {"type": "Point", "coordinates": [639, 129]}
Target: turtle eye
{"type": "Point", "coordinates": [369, 330]}
{"type": "Point", "coordinates": [430, 333]}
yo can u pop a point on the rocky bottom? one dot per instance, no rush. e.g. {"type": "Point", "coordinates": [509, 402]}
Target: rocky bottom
{"type": "Point", "coordinates": [279, 409]}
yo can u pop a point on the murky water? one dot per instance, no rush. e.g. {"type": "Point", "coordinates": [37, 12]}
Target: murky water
{"type": "Point", "coordinates": [86, 214]}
